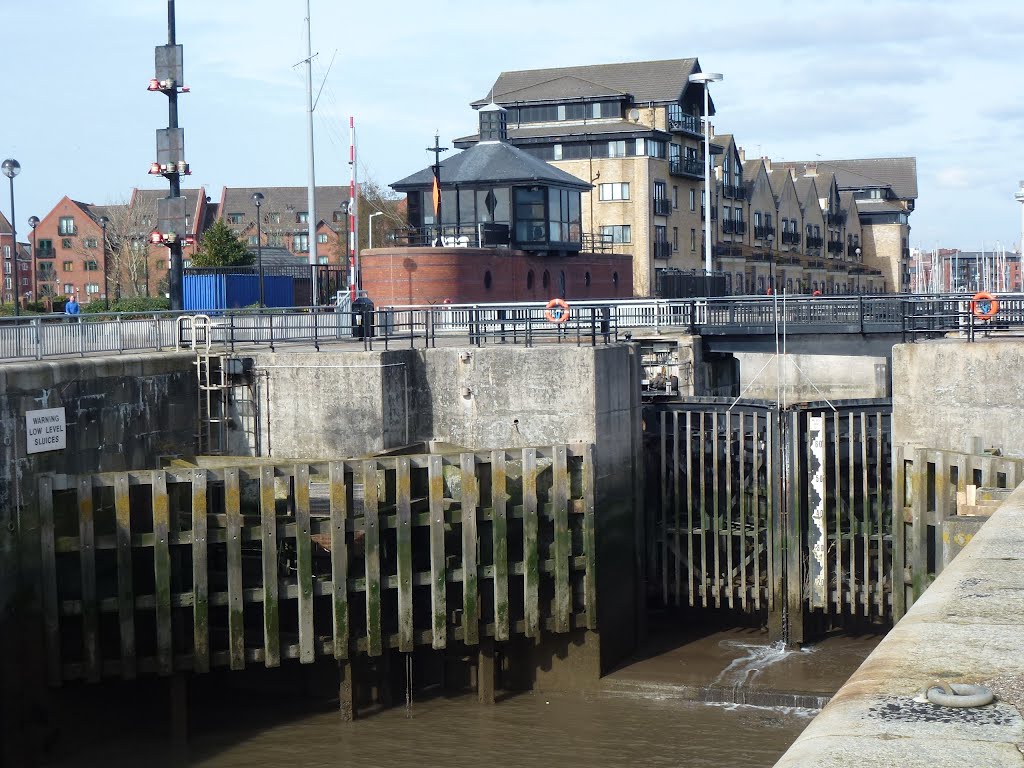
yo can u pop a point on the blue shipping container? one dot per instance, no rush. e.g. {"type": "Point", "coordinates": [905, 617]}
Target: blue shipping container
{"type": "Point", "coordinates": [209, 293]}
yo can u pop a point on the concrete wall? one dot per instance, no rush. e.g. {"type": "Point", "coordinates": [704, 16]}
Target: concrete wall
{"type": "Point", "coordinates": [951, 394]}
{"type": "Point", "coordinates": [808, 378]}
{"type": "Point", "coordinates": [968, 627]}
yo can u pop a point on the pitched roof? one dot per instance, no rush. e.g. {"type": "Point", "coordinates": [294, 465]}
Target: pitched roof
{"type": "Point", "coordinates": [899, 173]}
{"type": "Point", "coordinates": [654, 81]}
{"type": "Point", "coordinates": [593, 130]}
{"type": "Point", "coordinates": [492, 161]}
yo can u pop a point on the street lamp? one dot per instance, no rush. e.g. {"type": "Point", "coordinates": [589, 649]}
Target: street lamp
{"type": "Point", "coordinates": [12, 168]}
{"type": "Point", "coordinates": [257, 199]}
{"type": "Point", "coordinates": [106, 280]}
{"type": "Point", "coordinates": [375, 213]}
{"type": "Point", "coordinates": [856, 256]}
{"type": "Point", "coordinates": [704, 78]}
{"type": "Point", "coordinates": [33, 221]}
{"type": "Point", "coordinates": [770, 239]}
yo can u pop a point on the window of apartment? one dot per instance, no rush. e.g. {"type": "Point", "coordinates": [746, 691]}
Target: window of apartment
{"type": "Point", "coordinates": [65, 243]}
{"type": "Point", "coordinates": [693, 199]}
{"type": "Point", "coordinates": [693, 240]}
{"type": "Point", "coordinates": [66, 225]}
{"type": "Point", "coordinates": [617, 148]}
{"type": "Point", "coordinates": [69, 266]}
{"type": "Point", "coordinates": [90, 242]}
{"type": "Point", "coordinates": [675, 198]}
{"type": "Point", "coordinates": [739, 214]}
{"type": "Point", "coordinates": [617, 233]}
{"type": "Point", "coordinates": [44, 248]}
{"type": "Point", "coordinates": [147, 221]}
{"type": "Point", "coordinates": [69, 289]}
{"type": "Point", "coordinates": [300, 243]}
{"type": "Point", "coordinates": [757, 219]}
{"type": "Point", "coordinates": [768, 221]}
{"type": "Point", "coordinates": [8, 284]}
{"type": "Point", "coordinates": [615, 191]}
{"type": "Point", "coordinates": [651, 148]}
{"type": "Point", "coordinates": [321, 259]}
{"type": "Point", "coordinates": [92, 288]}
{"type": "Point", "coordinates": [253, 241]}
{"type": "Point", "coordinates": [660, 190]}
{"type": "Point", "coordinates": [660, 233]}
{"type": "Point", "coordinates": [817, 231]}
{"type": "Point", "coordinates": [275, 241]}
{"type": "Point", "coordinates": [785, 225]}
{"type": "Point", "coordinates": [235, 218]}
{"type": "Point", "coordinates": [275, 217]}
{"type": "Point", "coordinates": [675, 238]}
{"type": "Point", "coordinates": [556, 152]}
{"type": "Point", "coordinates": [302, 217]}
{"type": "Point", "coordinates": [726, 213]}
{"type": "Point", "coordinates": [321, 238]}
{"type": "Point", "coordinates": [7, 267]}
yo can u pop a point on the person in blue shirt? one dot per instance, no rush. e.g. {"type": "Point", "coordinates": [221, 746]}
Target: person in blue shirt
{"type": "Point", "coordinates": [71, 308]}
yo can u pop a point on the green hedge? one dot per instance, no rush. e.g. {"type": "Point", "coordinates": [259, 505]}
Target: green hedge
{"type": "Point", "coordinates": [135, 304]}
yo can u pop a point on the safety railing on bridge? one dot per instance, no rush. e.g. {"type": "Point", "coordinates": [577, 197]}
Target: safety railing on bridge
{"type": "Point", "coordinates": [586, 322]}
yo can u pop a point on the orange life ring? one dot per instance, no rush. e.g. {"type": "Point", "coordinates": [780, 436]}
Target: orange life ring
{"type": "Point", "coordinates": [816, 293]}
{"type": "Point", "coordinates": [984, 305]}
{"type": "Point", "coordinates": [557, 311]}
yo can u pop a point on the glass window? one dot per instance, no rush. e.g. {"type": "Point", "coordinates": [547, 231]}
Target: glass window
{"type": "Point", "coordinates": [616, 191]}
{"type": "Point", "coordinates": [617, 148]}
{"type": "Point", "coordinates": [300, 243]}
{"type": "Point", "coordinates": [252, 240]}
{"type": "Point", "coordinates": [529, 210]}
{"type": "Point", "coordinates": [675, 238]}
{"type": "Point", "coordinates": [66, 242]}
{"type": "Point", "coordinates": [302, 217]}
{"type": "Point", "coordinates": [556, 153]}
{"type": "Point", "coordinates": [92, 288]}
{"type": "Point", "coordinates": [616, 233]}
{"type": "Point", "coordinates": [69, 266]}
{"type": "Point", "coordinates": [660, 190]}
{"type": "Point", "coordinates": [693, 240]}
{"type": "Point", "coordinates": [675, 197]}
{"type": "Point", "coordinates": [68, 288]}
{"type": "Point", "coordinates": [66, 225]}
{"type": "Point", "coordinates": [235, 218]}
{"type": "Point", "coordinates": [91, 266]}
{"type": "Point", "coordinates": [660, 233]}
{"type": "Point", "coordinates": [693, 199]}
{"type": "Point", "coordinates": [275, 217]}
{"type": "Point", "coordinates": [321, 238]}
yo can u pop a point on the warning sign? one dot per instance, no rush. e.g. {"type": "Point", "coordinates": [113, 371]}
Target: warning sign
{"type": "Point", "coordinates": [46, 430]}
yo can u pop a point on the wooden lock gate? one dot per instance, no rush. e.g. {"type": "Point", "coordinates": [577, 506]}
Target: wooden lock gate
{"type": "Point", "coordinates": [154, 572]}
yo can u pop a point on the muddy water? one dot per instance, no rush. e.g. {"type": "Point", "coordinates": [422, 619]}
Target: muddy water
{"type": "Point", "coordinates": [643, 713]}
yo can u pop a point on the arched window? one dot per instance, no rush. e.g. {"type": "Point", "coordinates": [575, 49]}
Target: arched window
{"type": "Point", "coordinates": [529, 280]}
{"type": "Point", "coordinates": [487, 280]}
{"type": "Point", "coordinates": [561, 284]}
{"type": "Point", "coordinates": [545, 280]}
{"type": "Point", "coordinates": [586, 279]}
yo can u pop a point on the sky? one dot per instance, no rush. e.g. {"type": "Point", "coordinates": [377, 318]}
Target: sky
{"type": "Point", "coordinates": [939, 80]}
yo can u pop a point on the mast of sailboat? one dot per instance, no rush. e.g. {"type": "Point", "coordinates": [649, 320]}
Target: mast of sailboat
{"type": "Point", "coordinates": [311, 191]}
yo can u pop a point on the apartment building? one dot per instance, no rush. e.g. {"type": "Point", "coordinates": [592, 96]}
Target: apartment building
{"type": "Point", "coordinates": [8, 251]}
{"type": "Point", "coordinates": [632, 130]}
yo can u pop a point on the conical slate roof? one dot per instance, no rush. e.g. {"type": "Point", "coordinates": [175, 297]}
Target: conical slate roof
{"type": "Point", "coordinates": [492, 162]}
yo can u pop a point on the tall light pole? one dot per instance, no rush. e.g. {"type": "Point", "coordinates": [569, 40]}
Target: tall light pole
{"type": "Point", "coordinates": [257, 199]}
{"type": "Point", "coordinates": [1019, 197]}
{"type": "Point", "coordinates": [33, 221]}
{"type": "Point", "coordinates": [704, 78]}
{"type": "Point", "coordinates": [106, 277]}
{"type": "Point", "coordinates": [12, 168]}
{"type": "Point", "coordinates": [349, 262]}
{"type": "Point", "coordinates": [370, 219]}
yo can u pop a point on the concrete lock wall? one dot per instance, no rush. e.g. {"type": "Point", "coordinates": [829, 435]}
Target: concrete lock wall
{"type": "Point", "coordinates": [959, 396]}
{"type": "Point", "coordinates": [360, 403]}
{"type": "Point", "coordinates": [808, 378]}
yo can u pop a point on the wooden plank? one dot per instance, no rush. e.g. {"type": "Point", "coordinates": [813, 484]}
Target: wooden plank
{"type": "Point", "coordinates": [236, 606]}
{"type": "Point", "coordinates": [851, 515]}
{"type": "Point", "coordinates": [304, 565]}
{"type": "Point", "coordinates": [531, 557]}
{"type": "Point", "coordinates": [880, 467]}
{"type": "Point", "coordinates": [438, 582]}
{"type": "Point", "coordinates": [942, 504]}
{"type": "Point", "coordinates": [499, 544]}
{"type": "Point", "coordinates": [701, 477]}
{"type": "Point", "coordinates": [756, 458]}
{"type": "Point", "coordinates": [403, 535]}
{"type": "Point", "coordinates": [560, 511]}
{"type": "Point", "coordinates": [268, 540]}
{"type": "Point", "coordinates": [793, 533]}
{"type": "Point", "coordinates": [899, 528]}
{"type": "Point", "coordinates": [371, 542]}
{"type": "Point", "coordinates": [919, 524]}
{"type": "Point", "coordinates": [727, 510]}
{"type": "Point", "coordinates": [200, 576]}
{"type": "Point", "coordinates": [162, 572]}
{"type": "Point", "coordinates": [91, 663]}
{"type": "Point", "coordinates": [339, 569]}
{"type": "Point", "coordinates": [716, 508]}
{"type": "Point", "coordinates": [688, 493]}
{"type": "Point", "coordinates": [470, 502]}
{"type": "Point", "coordinates": [773, 519]}
{"type": "Point", "coordinates": [837, 508]}
{"type": "Point", "coordinates": [745, 543]}
{"type": "Point", "coordinates": [865, 589]}
{"type": "Point", "coordinates": [662, 524]}
{"type": "Point", "coordinates": [125, 595]}
{"type": "Point", "coordinates": [590, 538]}
{"type": "Point", "coordinates": [48, 563]}
{"type": "Point", "coordinates": [677, 505]}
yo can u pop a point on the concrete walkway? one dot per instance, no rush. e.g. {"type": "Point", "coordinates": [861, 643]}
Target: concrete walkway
{"type": "Point", "coordinates": [967, 628]}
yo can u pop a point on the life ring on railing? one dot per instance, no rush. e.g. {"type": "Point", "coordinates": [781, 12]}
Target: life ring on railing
{"type": "Point", "coordinates": [556, 311]}
{"type": "Point", "coordinates": [816, 292]}
{"type": "Point", "coordinates": [984, 305]}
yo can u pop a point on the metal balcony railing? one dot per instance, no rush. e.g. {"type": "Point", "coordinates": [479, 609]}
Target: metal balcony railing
{"type": "Point", "coordinates": [686, 166]}
{"type": "Point", "coordinates": [662, 250]}
{"type": "Point", "coordinates": [662, 206]}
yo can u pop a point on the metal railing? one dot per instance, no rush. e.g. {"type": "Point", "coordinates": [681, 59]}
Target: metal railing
{"type": "Point", "coordinates": [589, 322]}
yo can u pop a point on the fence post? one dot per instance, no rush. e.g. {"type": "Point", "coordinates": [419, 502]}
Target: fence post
{"type": "Point", "coordinates": [38, 323]}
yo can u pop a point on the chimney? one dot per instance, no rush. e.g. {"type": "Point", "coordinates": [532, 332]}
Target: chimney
{"type": "Point", "coordinates": [743, 154]}
{"type": "Point", "coordinates": [767, 164]}
{"type": "Point", "coordinates": [493, 123]}
{"type": "Point", "coordinates": [811, 169]}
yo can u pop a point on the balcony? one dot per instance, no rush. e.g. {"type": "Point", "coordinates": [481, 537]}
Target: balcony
{"type": "Point", "coordinates": [759, 232]}
{"type": "Point", "coordinates": [730, 190]}
{"type": "Point", "coordinates": [791, 238]}
{"type": "Point", "coordinates": [689, 166]}
{"type": "Point", "coordinates": [741, 227]}
{"type": "Point", "coordinates": [662, 206]}
{"type": "Point", "coordinates": [728, 226]}
{"type": "Point", "coordinates": [836, 219]}
{"type": "Point", "coordinates": [47, 253]}
{"type": "Point", "coordinates": [703, 212]}
{"type": "Point", "coordinates": [662, 250]}
{"type": "Point", "coordinates": [835, 248]}
{"type": "Point", "coordinates": [680, 122]}
{"type": "Point", "coordinates": [851, 251]}
{"type": "Point", "coordinates": [814, 242]}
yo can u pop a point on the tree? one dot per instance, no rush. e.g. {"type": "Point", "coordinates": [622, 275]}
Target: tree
{"type": "Point", "coordinates": [221, 248]}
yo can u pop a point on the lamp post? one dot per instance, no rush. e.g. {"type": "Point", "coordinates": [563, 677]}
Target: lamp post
{"type": "Point", "coordinates": [106, 277]}
{"type": "Point", "coordinates": [856, 258]}
{"type": "Point", "coordinates": [257, 199]}
{"type": "Point", "coordinates": [12, 168]}
{"type": "Point", "coordinates": [370, 218]}
{"type": "Point", "coordinates": [704, 78]}
{"type": "Point", "coordinates": [33, 221]}
{"type": "Point", "coordinates": [770, 239]}
{"type": "Point", "coordinates": [349, 261]}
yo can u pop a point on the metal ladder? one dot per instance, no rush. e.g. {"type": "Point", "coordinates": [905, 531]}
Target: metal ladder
{"type": "Point", "coordinates": [212, 412]}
